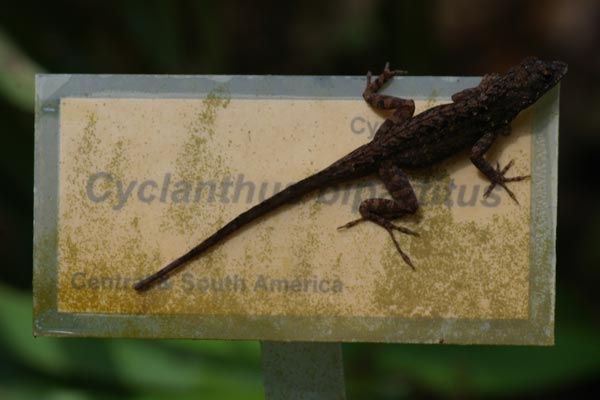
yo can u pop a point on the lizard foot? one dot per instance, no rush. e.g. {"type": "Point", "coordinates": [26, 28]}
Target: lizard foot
{"type": "Point", "coordinates": [501, 180]}
{"type": "Point", "coordinates": [385, 75]}
{"type": "Point", "coordinates": [390, 228]}
{"type": "Point", "coordinates": [388, 73]}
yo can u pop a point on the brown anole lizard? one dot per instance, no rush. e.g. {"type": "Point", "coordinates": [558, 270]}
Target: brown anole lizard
{"type": "Point", "coordinates": [474, 119]}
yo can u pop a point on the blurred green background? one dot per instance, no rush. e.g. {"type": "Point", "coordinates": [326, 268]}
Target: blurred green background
{"type": "Point", "coordinates": [461, 37]}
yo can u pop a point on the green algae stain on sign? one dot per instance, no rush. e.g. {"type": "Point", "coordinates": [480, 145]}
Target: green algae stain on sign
{"type": "Point", "coordinates": [199, 159]}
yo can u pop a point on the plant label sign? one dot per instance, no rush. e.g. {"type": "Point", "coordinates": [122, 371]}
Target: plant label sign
{"type": "Point", "coordinates": [133, 171]}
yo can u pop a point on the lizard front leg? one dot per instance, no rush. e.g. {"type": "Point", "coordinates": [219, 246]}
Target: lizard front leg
{"type": "Point", "coordinates": [496, 176]}
{"type": "Point", "coordinates": [382, 211]}
{"type": "Point", "coordinates": [404, 108]}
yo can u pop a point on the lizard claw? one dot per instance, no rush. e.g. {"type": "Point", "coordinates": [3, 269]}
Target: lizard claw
{"type": "Point", "coordinates": [389, 73]}
{"type": "Point", "coordinates": [501, 179]}
{"type": "Point", "coordinates": [351, 224]}
{"type": "Point", "coordinates": [369, 78]}
{"type": "Point", "coordinates": [405, 230]}
{"type": "Point", "coordinates": [404, 256]}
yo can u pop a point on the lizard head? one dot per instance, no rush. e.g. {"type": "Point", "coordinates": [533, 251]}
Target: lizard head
{"type": "Point", "coordinates": [529, 80]}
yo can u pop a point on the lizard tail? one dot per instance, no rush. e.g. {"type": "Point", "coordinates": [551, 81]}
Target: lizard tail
{"type": "Point", "coordinates": [289, 194]}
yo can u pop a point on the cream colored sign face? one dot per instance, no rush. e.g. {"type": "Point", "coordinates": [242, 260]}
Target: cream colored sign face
{"type": "Point", "coordinates": [141, 181]}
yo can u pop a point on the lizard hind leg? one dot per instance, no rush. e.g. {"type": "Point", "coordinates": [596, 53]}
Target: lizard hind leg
{"type": "Point", "coordinates": [382, 211]}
